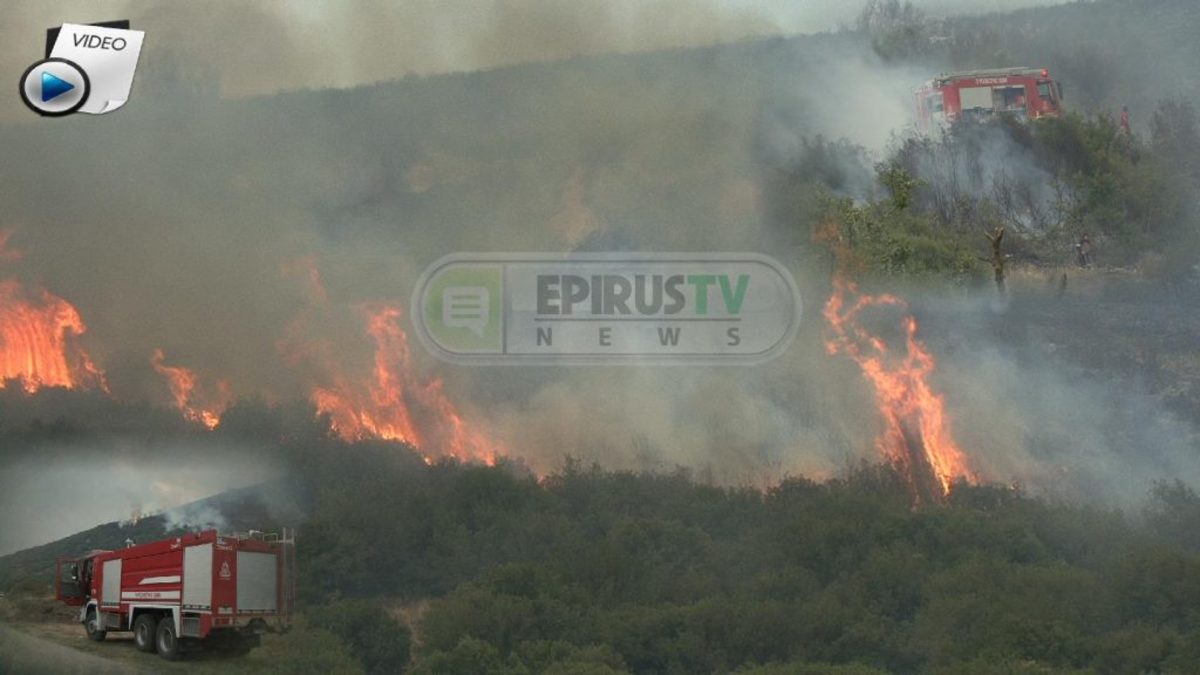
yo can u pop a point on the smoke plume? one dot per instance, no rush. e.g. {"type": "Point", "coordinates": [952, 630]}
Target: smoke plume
{"type": "Point", "coordinates": [242, 213]}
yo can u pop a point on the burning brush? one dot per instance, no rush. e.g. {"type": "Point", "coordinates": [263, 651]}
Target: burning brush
{"type": "Point", "coordinates": [916, 437]}
{"type": "Point", "coordinates": [38, 337]}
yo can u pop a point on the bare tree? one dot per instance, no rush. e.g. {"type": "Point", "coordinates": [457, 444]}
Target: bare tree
{"type": "Point", "coordinates": [998, 259]}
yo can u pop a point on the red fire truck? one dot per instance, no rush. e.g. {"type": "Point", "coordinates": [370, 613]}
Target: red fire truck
{"type": "Point", "coordinates": [195, 589]}
{"type": "Point", "coordinates": [1028, 93]}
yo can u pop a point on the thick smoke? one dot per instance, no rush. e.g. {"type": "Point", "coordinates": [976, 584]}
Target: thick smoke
{"type": "Point", "coordinates": [1037, 405]}
{"type": "Point", "coordinates": [182, 221]}
{"type": "Point", "coordinates": [976, 176]}
{"type": "Point", "coordinates": [260, 47]}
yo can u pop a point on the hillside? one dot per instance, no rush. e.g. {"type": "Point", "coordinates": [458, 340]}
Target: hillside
{"type": "Point", "coordinates": [620, 572]}
{"type": "Point", "coordinates": [745, 521]}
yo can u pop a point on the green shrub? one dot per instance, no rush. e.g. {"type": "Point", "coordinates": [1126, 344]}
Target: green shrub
{"type": "Point", "coordinates": [308, 651]}
{"type": "Point", "coordinates": [378, 640]}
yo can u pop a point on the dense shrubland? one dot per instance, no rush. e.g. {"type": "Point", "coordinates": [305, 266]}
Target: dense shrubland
{"type": "Point", "coordinates": [451, 568]}
{"type": "Point", "coordinates": [1048, 183]}
{"type": "Point", "coordinates": [606, 572]}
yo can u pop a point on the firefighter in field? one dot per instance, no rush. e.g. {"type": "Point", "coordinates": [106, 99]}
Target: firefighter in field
{"type": "Point", "coordinates": [1083, 251]}
{"type": "Point", "coordinates": [1125, 137]}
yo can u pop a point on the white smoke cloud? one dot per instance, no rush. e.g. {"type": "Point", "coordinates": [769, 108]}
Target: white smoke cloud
{"type": "Point", "coordinates": [68, 488]}
{"type": "Point", "coordinates": [261, 47]}
{"type": "Point", "coordinates": [183, 210]}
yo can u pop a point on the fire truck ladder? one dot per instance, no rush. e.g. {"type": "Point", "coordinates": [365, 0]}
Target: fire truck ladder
{"type": "Point", "coordinates": [287, 576]}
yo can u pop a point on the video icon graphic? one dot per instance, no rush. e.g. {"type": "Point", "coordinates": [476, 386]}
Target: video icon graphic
{"type": "Point", "coordinates": [55, 87]}
{"type": "Point", "coordinates": [88, 68]}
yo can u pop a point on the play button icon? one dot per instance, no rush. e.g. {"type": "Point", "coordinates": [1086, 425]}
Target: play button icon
{"type": "Point", "coordinates": [55, 87]}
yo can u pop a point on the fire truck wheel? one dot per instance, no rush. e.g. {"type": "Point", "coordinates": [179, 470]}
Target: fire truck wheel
{"type": "Point", "coordinates": [166, 640]}
{"type": "Point", "coordinates": [143, 632]}
{"type": "Point", "coordinates": [92, 625]}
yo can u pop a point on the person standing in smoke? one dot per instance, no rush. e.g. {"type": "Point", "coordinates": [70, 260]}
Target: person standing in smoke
{"type": "Point", "coordinates": [1125, 137]}
{"type": "Point", "coordinates": [1083, 251]}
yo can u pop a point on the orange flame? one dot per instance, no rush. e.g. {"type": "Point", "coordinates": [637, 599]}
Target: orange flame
{"type": "Point", "coordinates": [37, 341]}
{"type": "Point", "coordinates": [394, 403]}
{"type": "Point", "coordinates": [916, 437]}
{"type": "Point", "coordinates": [183, 383]}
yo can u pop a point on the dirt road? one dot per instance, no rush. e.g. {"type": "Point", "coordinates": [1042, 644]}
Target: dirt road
{"type": "Point", "coordinates": [61, 647]}
{"type": "Point", "coordinates": [22, 651]}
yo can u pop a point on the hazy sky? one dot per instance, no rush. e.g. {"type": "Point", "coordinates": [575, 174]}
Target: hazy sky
{"type": "Point", "coordinates": [259, 47]}
{"type": "Point", "coordinates": [114, 489]}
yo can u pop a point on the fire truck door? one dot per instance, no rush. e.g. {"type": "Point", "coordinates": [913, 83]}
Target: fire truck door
{"type": "Point", "coordinates": [198, 576]}
{"type": "Point", "coordinates": [110, 589]}
{"type": "Point", "coordinates": [69, 586]}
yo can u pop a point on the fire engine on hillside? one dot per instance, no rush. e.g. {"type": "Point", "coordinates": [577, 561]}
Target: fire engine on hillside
{"type": "Point", "coordinates": [202, 588]}
{"type": "Point", "coordinates": [1027, 93]}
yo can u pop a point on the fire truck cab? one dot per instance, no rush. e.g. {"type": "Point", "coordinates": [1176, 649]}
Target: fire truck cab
{"type": "Point", "coordinates": [980, 95]}
{"type": "Point", "coordinates": [196, 589]}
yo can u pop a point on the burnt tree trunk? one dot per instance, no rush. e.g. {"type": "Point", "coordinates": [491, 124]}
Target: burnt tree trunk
{"type": "Point", "coordinates": [998, 259]}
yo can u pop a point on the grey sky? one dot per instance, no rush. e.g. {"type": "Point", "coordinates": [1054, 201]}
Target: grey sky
{"type": "Point", "coordinates": [258, 47]}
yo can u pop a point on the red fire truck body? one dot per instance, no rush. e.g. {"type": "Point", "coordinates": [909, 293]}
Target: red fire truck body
{"type": "Point", "coordinates": [1027, 93]}
{"type": "Point", "coordinates": [202, 586]}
